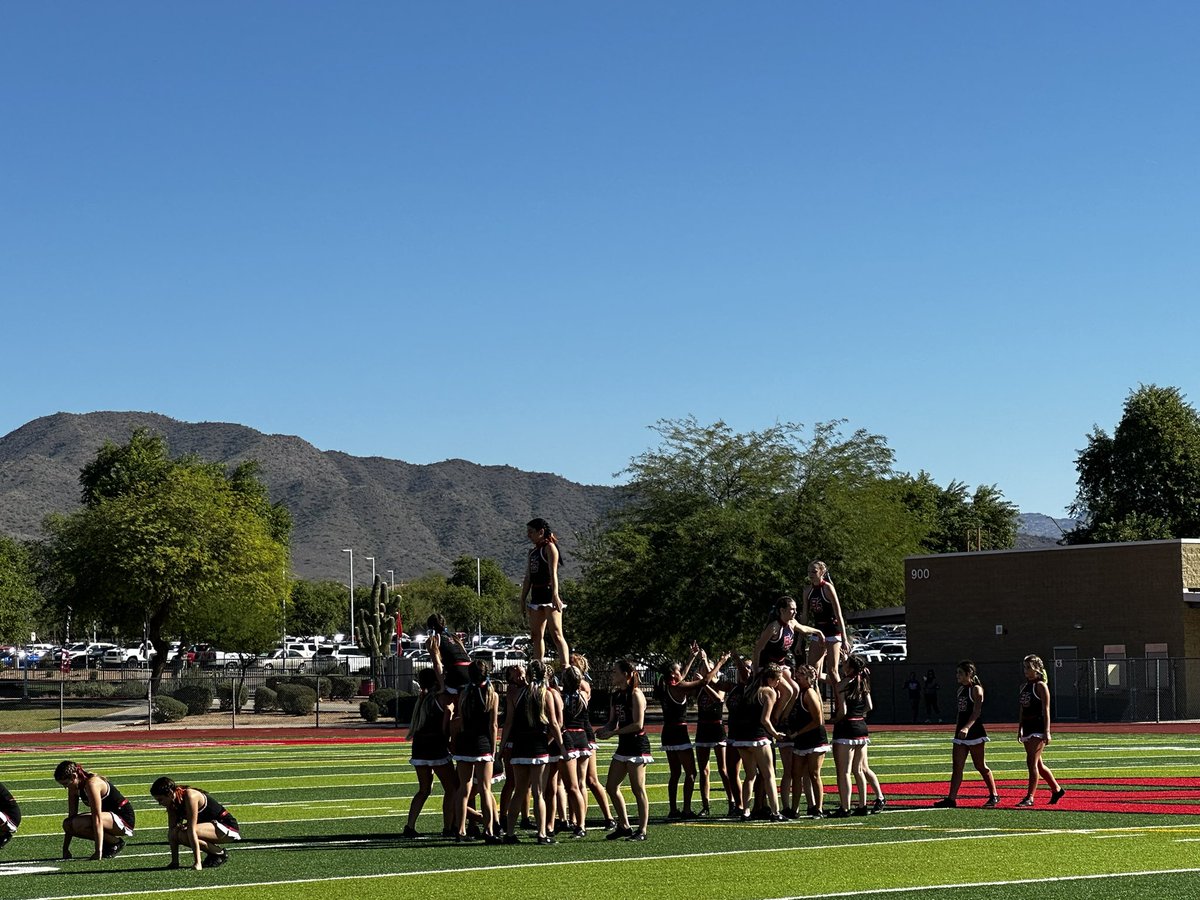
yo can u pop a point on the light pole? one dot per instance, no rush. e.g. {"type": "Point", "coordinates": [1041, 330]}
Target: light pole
{"type": "Point", "coordinates": [392, 578]}
{"type": "Point", "coordinates": [371, 560]}
{"type": "Point", "coordinates": [351, 552]}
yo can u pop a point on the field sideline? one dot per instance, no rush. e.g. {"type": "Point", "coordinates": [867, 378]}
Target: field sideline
{"type": "Point", "coordinates": [323, 819]}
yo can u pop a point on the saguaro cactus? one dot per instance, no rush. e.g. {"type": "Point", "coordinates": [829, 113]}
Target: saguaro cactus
{"type": "Point", "coordinates": [378, 626]}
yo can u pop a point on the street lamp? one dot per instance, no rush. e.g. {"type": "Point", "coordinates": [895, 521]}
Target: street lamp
{"type": "Point", "coordinates": [392, 578]}
{"type": "Point", "coordinates": [371, 560]}
{"type": "Point", "coordinates": [351, 552]}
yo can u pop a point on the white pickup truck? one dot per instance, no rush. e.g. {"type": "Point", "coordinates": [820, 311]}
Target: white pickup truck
{"type": "Point", "coordinates": [133, 655]}
{"type": "Point", "coordinates": [345, 660]}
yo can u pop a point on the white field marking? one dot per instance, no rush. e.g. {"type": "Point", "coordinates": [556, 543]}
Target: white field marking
{"type": "Point", "coordinates": [18, 869]}
{"type": "Point", "coordinates": [467, 870]}
{"type": "Point", "coordinates": [988, 884]}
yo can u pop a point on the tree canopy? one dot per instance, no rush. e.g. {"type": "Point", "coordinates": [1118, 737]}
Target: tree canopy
{"type": "Point", "coordinates": [1143, 481]}
{"type": "Point", "coordinates": [179, 546]}
{"type": "Point", "coordinates": [20, 601]}
{"type": "Point", "coordinates": [717, 525]}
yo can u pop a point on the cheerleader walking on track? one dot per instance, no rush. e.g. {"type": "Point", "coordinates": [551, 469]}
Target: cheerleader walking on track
{"type": "Point", "coordinates": [1034, 729]}
{"type": "Point", "coordinates": [195, 818]}
{"type": "Point", "coordinates": [970, 737]}
{"type": "Point", "coordinates": [627, 720]}
{"type": "Point", "coordinates": [110, 817]}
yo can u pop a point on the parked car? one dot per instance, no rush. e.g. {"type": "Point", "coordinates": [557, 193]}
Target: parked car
{"type": "Point", "coordinates": [342, 658]}
{"type": "Point", "coordinates": [212, 658]}
{"type": "Point", "coordinates": [133, 655]}
{"type": "Point", "coordinates": [283, 661]}
{"type": "Point", "coordinates": [498, 658]}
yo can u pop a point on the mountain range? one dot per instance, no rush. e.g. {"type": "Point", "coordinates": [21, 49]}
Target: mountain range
{"type": "Point", "coordinates": [412, 518]}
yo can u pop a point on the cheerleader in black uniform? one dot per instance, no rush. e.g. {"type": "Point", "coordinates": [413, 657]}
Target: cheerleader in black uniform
{"type": "Point", "coordinates": [196, 818]}
{"type": "Point", "coordinates": [969, 736]}
{"type": "Point", "coordinates": [1034, 729]}
{"type": "Point", "coordinates": [710, 732]}
{"type": "Point", "coordinates": [675, 740]}
{"type": "Point", "coordinates": [823, 610]}
{"type": "Point", "coordinates": [544, 608]}
{"type": "Point", "coordinates": [809, 739]}
{"type": "Point", "coordinates": [473, 732]}
{"type": "Point", "coordinates": [627, 720]}
{"type": "Point", "coordinates": [592, 778]}
{"type": "Point", "coordinates": [454, 656]}
{"type": "Point", "coordinates": [428, 735]}
{"type": "Point", "coordinates": [751, 731]}
{"type": "Point", "coordinates": [576, 752]}
{"type": "Point", "coordinates": [529, 726]}
{"type": "Point", "coordinates": [735, 695]}
{"type": "Point", "coordinates": [851, 737]}
{"type": "Point", "coordinates": [10, 816]}
{"type": "Point", "coordinates": [110, 817]}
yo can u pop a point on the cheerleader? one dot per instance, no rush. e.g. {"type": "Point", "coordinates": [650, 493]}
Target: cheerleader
{"type": "Point", "coordinates": [473, 731]}
{"type": "Point", "coordinates": [194, 817]}
{"type": "Point", "coordinates": [851, 737]}
{"type": "Point", "coordinates": [10, 816]}
{"type": "Point", "coordinates": [823, 610]}
{"type": "Point", "coordinates": [1034, 729]}
{"type": "Point", "coordinates": [809, 739]}
{"type": "Point", "coordinates": [751, 731]}
{"type": "Point", "coordinates": [431, 750]}
{"type": "Point", "coordinates": [735, 695]}
{"type": "Point", "coordinates": [626, 720]}
{"type": "Point", "coordinates": [574, 765]}
{"type": "Point", "coordinates": [592, 777]}
{"type": "Point", "coordinates": [710, 733]}
{"type": "Point", "coordinates": [110, 817]}
{"type": "Point", "coordinates": [529, 726]}
{"type": "Point", "coordinates": [969, 736]}
{"type": "Point", "coordinates": [544, 608]}
{"type": "Point", "coordinates": [453, 655]}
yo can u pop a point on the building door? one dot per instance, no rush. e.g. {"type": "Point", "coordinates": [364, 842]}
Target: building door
{"type": "Point", "coordinates": [1064, 682]}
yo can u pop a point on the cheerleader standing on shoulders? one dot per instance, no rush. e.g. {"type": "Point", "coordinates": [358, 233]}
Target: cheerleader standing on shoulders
{"type": "Point", "coordinates": [109, 819]}
{"type": "Point", "coordinates": [969, 736]}
{"type": "Point", "coordinates": [823, 609]}
{"type": "Point", "coordinates": [1034, 729]}
{"type": "Point", "coordinates": [710, 730]}
{"type": "Point", "coordinates": [474, 731]}
{"type": "Point", "coordinates": [195, 818]}
{"type": "Point", "coordinates": [10, 816]}
{"type": "Point", "coordinates": [810, 740]}
{"type": "Point", "coordinates": [851, 737]}
{"type": "Point", "coordinates": [529, 727]}
{"type": "Point", "coordinates": [431, 751]}
{"type": "Point", "coordinates": [592, 777]}
{"type": "Point", "coordinates": [545, 607]}
{"type": "Point", "coordinates": [626, 720]}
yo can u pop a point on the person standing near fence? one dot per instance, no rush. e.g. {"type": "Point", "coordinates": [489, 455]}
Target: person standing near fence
{"type": "Point", "coordinates": [970, 737]}
{"type": "Point", "coordinates": [10, 816]}
{"type": "Point", "coordinates": [1034, 729]}
{"type": "Point", "coordinates": [109, 819]}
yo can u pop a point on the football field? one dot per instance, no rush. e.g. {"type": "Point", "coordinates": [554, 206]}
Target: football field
{"type": "Point", "coordinates": [323, 820]}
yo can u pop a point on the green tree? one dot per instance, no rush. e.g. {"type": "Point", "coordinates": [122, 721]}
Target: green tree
{"type": "Point", "coordinates": [498, 610]}
{"type": "Point", "coordinates": [716, 525]}
{"type": "Point", "coordinates": [955, 519]}
{"type": "Point", "coordinates": [318, 607]}
{"type": "Point", "coordinates": [20, 601]}
{"type": "Point", "coordinates": [179, 546]}
{"type": "Point", "coordinates": [1143, 481]}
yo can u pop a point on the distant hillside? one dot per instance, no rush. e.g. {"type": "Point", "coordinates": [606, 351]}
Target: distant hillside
{"type": "Point", "coordinates": [411, 518]}
{"type": "Point", "coordinates": [1038, 530]}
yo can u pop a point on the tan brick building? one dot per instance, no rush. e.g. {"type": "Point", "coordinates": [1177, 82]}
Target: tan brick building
{"type": "Point", "coordinates": [1113, 621]}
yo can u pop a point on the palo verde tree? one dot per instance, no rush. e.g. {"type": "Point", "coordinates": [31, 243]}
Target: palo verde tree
{"type": "Point", "coordinates": [178, 546]}
{"type": "Point", "coordinates": [1143, 481]}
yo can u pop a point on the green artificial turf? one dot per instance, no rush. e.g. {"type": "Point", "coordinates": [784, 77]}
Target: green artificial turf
{"type": "Point", "coordinates": [323, 821]}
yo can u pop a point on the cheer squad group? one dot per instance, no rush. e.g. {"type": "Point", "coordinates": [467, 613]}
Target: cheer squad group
{"type": "Point", "coordinates": [539, 742]}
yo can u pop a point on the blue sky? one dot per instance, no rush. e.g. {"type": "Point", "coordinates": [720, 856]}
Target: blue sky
{"type": "Point", "coordinates": [520, 233]}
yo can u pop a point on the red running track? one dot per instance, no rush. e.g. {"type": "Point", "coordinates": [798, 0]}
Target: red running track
{"type": "Point", "coordinates": [1171, 796]}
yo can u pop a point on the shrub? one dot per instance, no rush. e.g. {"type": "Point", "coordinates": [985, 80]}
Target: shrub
{"type": "Point", "coordinates": [342, 688]}
{"type": "Point", "coordinates": [131, 690]}
{"type": "Point", "coordinates": [297, 699]}
{"type": "Point", "coordinates": [274, 681]}
{"type": "Point", "coordinates": [168, 709]}
{"type": "Point", "coordinates": [369, 710]}
{"type": "Point", "coordinates": [225, 691]}
{"type": "Point", "coordinates": [100, 690]}
{"type": "Point", "coordinates": [265, 700]}
{"type": "Point", "coordinates": [385, 699]}
{"type": "Point", "coordinates": [315, 683]}
{"type": "Point", "coordinates": [197, 696]}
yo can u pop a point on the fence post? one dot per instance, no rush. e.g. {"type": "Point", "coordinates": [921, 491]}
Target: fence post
{"type": "Point", "coordinates": [1157, 691]}
{"type": "Point", "coordinates": [1095, 691]}
{"type": "Point", "coordinates": [62, 687]}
